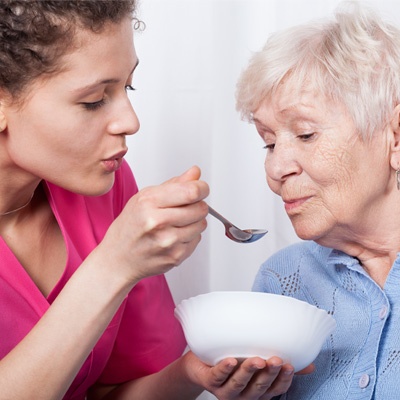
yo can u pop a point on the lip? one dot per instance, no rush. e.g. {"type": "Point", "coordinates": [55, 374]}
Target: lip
{"type": "Point", "coordinates": [292, 205]}
{"type": "Point", "coordinates": [113, 163]}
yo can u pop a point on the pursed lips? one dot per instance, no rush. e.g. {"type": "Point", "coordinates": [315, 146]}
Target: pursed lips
{"type": "Point", "coordinates": [118, 155]}
{"type": "Point", "coordinates": [292, 204]}
{"type": "Point", "coordinates": [114, 162]}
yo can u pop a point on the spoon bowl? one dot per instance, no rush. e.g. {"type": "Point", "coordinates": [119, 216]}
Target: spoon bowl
{"type": "Point", "coordinates": [236, 234]}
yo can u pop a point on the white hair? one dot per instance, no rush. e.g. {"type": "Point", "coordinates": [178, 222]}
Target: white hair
{"type": "Point", "coordinates": [353, 59]}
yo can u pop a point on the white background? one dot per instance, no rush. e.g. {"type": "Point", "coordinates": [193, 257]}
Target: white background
{"type": "Point", "coordinates": [191, 54]}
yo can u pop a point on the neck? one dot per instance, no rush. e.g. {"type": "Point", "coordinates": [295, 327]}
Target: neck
{"type": "Point", "coordinates": [18, 208]}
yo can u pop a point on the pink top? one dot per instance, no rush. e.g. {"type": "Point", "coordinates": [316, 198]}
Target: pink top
{"type": "Point", "coordinates": [143, 336]}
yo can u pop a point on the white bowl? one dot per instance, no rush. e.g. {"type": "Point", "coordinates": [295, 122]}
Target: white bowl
{"type": "Point", "coordinates": [246, 324]}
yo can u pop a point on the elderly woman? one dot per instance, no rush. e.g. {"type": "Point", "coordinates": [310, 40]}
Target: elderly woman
{"type": "Point", "coordinates": [325, 99]}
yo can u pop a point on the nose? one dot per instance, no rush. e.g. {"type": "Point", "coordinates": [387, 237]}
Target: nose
{"type": "Point", "coordinates": [282, 162]}
{"type": "Point", "coordinates": [125, 120]}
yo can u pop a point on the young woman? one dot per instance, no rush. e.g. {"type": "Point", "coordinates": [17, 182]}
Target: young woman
{"type": "Point", "coordinates": [85, 308]}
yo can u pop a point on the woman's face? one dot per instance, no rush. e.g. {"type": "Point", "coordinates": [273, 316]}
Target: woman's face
{"type": "Point", "coordinates": [72, 126]}
{"type": "Point", "coordinates": [331, 182]}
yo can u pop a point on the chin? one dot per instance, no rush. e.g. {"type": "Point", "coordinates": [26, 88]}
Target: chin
{"type": "Point", "coordinates": [93, 190]}
{"type": "Point", "coordinates": [306, 232]}
{"type": "Point", "coordinates": [100, 191]}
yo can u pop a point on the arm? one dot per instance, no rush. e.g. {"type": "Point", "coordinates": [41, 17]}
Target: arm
{"type": "Point", "coordinates": [157, 230]}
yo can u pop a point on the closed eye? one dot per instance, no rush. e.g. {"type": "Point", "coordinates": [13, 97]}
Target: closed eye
{"type": "Point", "coordinates": [269, 146]}
{"type": "Point", "coordinates": [93, 105]}
{"type": "Point", "coordinates": [307, 136]}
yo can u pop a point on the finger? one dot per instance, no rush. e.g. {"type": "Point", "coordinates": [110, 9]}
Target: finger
{"type": "Point", "coordinates": [308, 370]}
{"type": "Point", "coordinates": [169, 238]}
{"type": "Point", "coordinates": [191, 174]}
{"type": "Point", "coordinates": [180, 252]}
{"type": "Point", "coordinates": [262, 379]}
{"type": "Point", "coordinates": [281, 383]}
{"type": "Point", "coordinates": [189, 181]}
{"type": "Point", "coordinates": [185, 216]}
{"type": "Point", "coordinates": [209, 377]}
{"type": "Point", "coordinates": [163, 258]}
{"type": "Point", "coordinates": [221, 372]}
{"type": "Point", "coordinates": [239, 379]}
{"type": "Point", "coordinates": [179, 224]}
{"type": "Point", "coordinates": [173, 194]}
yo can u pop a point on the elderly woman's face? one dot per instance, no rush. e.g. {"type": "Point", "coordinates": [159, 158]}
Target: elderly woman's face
{"type": "Point", "coordinates": [328, 178]}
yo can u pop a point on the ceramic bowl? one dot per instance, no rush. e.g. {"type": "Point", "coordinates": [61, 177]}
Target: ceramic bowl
{"type": "Point", "coordinates": [245, 324]}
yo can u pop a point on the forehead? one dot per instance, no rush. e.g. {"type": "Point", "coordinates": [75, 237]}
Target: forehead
{"type": "Point", "coordinates": [114, 40]}
{"type": "Point", "coordinates": [290, 102]}
{"type": "Point", "coordinates": [109, 54]}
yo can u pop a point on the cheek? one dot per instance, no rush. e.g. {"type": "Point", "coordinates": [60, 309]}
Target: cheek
{"type": "Point", "coordinates": [37, 147]}
{"type": "Point", "coordinates": [332, 166]}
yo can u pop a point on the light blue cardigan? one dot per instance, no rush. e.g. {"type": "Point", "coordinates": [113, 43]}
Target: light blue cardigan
{"type": "Point", "coordinates": [361, 359]}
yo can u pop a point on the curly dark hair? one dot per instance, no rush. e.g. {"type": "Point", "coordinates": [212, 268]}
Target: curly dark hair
{"type": "Point", "coordinates": [35, 33]}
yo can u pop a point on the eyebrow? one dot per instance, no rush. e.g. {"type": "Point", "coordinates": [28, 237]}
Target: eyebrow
{"type": "Point", "coordinates": [294, 109]}
{"type": "Point", "coordinates": [298, 109]}
{"type": "Point", "coordinates": [103, 81]}
{"type": "Point", "coordinates": [257, 121]}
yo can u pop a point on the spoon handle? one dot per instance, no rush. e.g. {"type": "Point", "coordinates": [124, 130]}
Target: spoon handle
{"type": "Point", "coordinates": [219, 216]}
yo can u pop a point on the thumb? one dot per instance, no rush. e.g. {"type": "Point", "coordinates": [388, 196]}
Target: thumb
{"type": "Point", "coordinates": [192, 174]}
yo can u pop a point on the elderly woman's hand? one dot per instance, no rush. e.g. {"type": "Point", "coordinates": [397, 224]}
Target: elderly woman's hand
{"type": "Point", "coordinates": [252, 379]}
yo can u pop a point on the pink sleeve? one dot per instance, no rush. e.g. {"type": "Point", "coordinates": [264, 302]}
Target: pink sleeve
{"type": "Point", "coordinates": [149, 337]}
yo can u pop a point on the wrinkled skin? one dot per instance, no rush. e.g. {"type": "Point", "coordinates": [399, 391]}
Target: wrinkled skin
{"type": "Point", "coordinates": [337, 189]}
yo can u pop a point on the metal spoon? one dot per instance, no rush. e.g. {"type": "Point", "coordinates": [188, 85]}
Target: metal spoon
{"type": "Point", "coordinates": [236, 234]}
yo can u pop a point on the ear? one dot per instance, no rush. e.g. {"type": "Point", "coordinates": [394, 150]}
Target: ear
{"type": "Point", "coordinates": [394, 132]}
{"type": "Point", "coordinates": [3, 119]}
{"type": "Point", "coordinates": [3, 122]}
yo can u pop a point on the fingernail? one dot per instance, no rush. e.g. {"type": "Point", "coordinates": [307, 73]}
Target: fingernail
{"type": "Point", "coordinates": [276, 367]}
{"type": "Point", "coordinates": [232, 364]}
{"type": "Point", "coordinates": [288, 371]}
